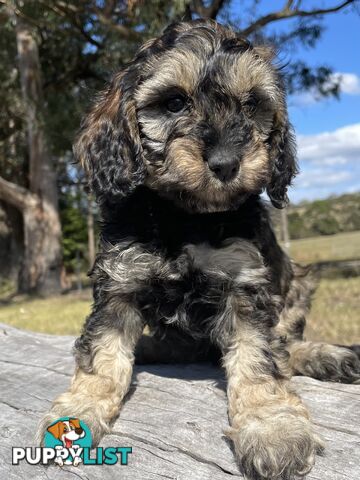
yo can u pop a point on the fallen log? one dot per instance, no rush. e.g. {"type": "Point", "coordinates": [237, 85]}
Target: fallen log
{"type": "Point", "coordinates": [173, 418]}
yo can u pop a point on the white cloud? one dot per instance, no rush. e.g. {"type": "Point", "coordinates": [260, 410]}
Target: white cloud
{"type": "Point", "coordinates": [329, 163]}
{"type": "Point", "coordinates": [331, 147]}
{"type": "Point", "coordinates": [349, 82]}
{"type": "Point", "coordinates": [349, 85]}
{"type": "Point", "coordinates": [319, 178]}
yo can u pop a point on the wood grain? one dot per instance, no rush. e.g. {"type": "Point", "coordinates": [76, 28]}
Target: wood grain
{"type": "Point", "coordinates": [174, 417]}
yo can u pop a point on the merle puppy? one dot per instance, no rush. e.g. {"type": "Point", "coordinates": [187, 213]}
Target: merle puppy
{"type": "Point", "coordinates": [178, 150]}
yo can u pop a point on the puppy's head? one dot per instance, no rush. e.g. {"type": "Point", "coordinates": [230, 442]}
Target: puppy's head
{"type": "Point", "coordinates": [199, 116]}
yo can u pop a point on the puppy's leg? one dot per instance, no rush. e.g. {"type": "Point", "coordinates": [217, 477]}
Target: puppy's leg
{"type": "Point", "coordinates": [270, 427]}
{"type": "Point", "coordinates": [104, 361]}
{"type": "Point", "coordinates": [314, 359]}
{"type": "Point", "coordinates": [324, 362]}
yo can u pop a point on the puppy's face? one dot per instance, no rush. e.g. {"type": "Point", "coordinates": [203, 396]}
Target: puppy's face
{"type": "Point", "coordinates": [206, 118]}
{"type": "Point", "coordinates": [206, 109]}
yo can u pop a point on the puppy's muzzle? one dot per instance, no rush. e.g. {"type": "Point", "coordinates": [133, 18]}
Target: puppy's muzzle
{"type": "Point", "coordinates": [224, 165]}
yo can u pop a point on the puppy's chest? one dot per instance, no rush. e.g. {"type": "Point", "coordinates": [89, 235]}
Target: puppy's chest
{"type": "Point", "coordinates": [193, 289]}
{"type": "Point", "coordinates": [179, 267]}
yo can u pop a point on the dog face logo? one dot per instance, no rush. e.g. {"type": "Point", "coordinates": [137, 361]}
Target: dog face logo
{"type": "Point", "coordinates": [68, 441]}
{"type": "Point", "coordinates": [68, 436]}
{"type": "Point", "coordinates": [67, 431]}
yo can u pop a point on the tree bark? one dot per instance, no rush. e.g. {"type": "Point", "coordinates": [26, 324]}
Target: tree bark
{"type": "Point", "coordinates": [174, 417]}
{"type": "Point", "coordinates": [91, 232]}
{"type": "Point", "coordinates": [41, 268]}
{"type": "Point", "coordinates": [11, 242]}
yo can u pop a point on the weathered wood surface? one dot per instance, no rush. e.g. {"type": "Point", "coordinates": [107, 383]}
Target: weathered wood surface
{"type": "Point", "coordinates": [173, 418]}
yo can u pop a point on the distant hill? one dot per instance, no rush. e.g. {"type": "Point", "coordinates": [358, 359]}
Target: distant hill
{"type": "Point", "coordinates": [323, 217]}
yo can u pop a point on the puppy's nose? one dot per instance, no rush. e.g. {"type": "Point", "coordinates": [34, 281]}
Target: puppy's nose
{"type": "Point", "coordinates": [225, 167]}
{"type": "Point", "coordinates": [79, 430]}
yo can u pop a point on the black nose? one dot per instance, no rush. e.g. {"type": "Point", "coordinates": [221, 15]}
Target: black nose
{"type": "Point", "coordinates": [79, 430]}
{"type": "Point", "coordinates": [224, 166]}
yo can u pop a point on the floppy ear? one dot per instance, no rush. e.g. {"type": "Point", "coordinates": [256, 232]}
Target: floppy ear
{"type": "Point", "coordinates": [55, 429]}
{"type": "Point", "coordinates": [283, 156]}
{"type": "Point", "coordinates": [108, 145]}
{"type": "Point", "coordinates": [75, 422]}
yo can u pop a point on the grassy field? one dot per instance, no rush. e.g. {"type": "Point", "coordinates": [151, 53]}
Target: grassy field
{"type": "Point", "coordinates": [335, 313]}
{"type": "Point", "coordinates": [342, 246]}
{"type": "Point", "coordinates": [62, 315]}
{"type": "Point", "coordinates": [335, 316]}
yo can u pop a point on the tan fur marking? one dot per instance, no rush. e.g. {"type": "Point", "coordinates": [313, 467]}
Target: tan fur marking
{"type": "Point", "coordinates": [95, 397]}
{"type": "Point", "coordinates": [270, 425]}
{"type": "Point", "coordinates": [255, 167]}
{"type": "Point", "coordinates": [323, 361]}
{"type": "Point", "coordinates": [184, 166]}
{"type": "Point", "coordinates": [243, 364]}
{"type": "Point", "coordinates": [178, 68]}
{"type": "Point", "coordinates": [104, 110]}
{"type": "Point", "coordinates": [249, 72]}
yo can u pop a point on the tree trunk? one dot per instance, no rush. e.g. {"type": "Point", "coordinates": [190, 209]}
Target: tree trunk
{"type": "Point", "coordinates": [41, 269]}
{"type": "Point", "coordinates": [11, 242]}
{"type": "Point", "coordinates": [91, 232]}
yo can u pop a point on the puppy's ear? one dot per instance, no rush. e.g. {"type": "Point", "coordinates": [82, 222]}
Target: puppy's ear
{"type": "Point", "coordinates": [283, 157]}
{"type": "Point", "coordinates": [266, 52]}
{"type": "Point", "coordinates": [108, 145]}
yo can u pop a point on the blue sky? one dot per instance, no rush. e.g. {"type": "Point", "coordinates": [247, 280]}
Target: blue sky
{"type": "Point", "coordinates": [328, 131]}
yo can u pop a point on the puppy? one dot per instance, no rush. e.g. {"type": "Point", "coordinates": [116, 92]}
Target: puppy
{"type": "Point", "coordinates": [178, 149]}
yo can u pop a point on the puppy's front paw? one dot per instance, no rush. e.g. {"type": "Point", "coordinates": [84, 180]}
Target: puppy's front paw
{"type": "Point", "coordinates": [275, 444]}
{"type": "Point", "coordinates": [68, 405]}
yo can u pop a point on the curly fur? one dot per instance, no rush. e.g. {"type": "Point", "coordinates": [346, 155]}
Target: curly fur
{"type": "Point", "coordinates": [190, 251]}
{"type": "Point", "coordinates": [128, 140]}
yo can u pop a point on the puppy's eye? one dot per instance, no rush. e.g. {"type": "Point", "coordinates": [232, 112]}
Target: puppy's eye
{"type": "Point", "coordinates": [175, 104]}
{"type": "Point", "coordinates": [251, 103]}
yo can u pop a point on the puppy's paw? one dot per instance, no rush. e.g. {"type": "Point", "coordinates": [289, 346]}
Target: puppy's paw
{"type": "Point", "coordinates": [68, 406]}
{"type": "Point", "coordinates": [43, 425]}
{"type": "Point", "coordinates": [328, 362]}
{"type": "Point", "coordinates": [276, 445]}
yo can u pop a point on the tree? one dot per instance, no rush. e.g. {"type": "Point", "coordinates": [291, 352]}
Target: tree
{"type": "Point", "coordinates": [41, 269]}
{"type": "Point", "coordinates": [73, 210]}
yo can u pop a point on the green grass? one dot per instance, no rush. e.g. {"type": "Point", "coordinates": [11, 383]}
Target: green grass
{"type": "Point", "coordinates": [61, 315]}
{"type": "Point", "coordinates": [342, 246]}
{"type": "Point", "coordinates": [335, 313]}
{"type": "Point", "coordinates": [335, 316]}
